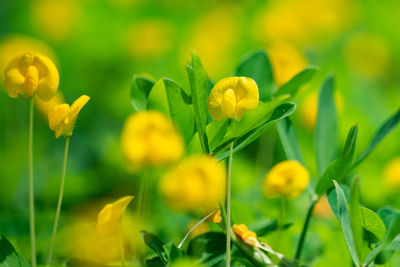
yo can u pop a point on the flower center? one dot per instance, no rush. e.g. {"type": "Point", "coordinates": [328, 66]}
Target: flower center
{"type": "Point", "coordinates": [31, 80]}
{"type": "Point", "coordinates": [228, 103]}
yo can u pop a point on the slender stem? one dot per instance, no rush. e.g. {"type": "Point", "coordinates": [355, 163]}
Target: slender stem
{"type": "Point", "coordinates": [60, 197]}
{"type": "Point", "coordinates": [281, 222]}
{"type": "Point", "coordinates": [195, 226]}
{"type": "Point", "coordinates": [143, 192]}
{"type": "Point", "coordinates": [228, 208]}
{"type": "Point", "coordinates": [304, 231]}
{"type": "Point", "coordinates": [31, 189]}
{"type": "Point", "coordinates": [121, 246]}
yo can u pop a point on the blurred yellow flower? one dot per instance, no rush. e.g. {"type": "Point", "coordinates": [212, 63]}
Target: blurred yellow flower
{"type": "Point", "coordinates": [45, 106]}
{"type": "Point", "coordinates": [109, 218]}
{"type": "Point", "coordinates": [149, 138]}
{"type": "Point", "coordinates": [31, 73]}
{"type": "Point", "coordinates": [62, 117]}
{"type": "Point", "coordinates": [56, 20]}
{"type": "Point", "coordinates": [367, 54]}
{"type": "Point", "coordinates": [231, 97]}
{"type": "Point", "coordinates": [196, 185]}
{"type": "Point", "coordinates": [247, 236]}
{"type": "Point", "coordinates": [322, 208]}
{"type": "Point", "coordinates": [391, 173]}
{"type": "Point", "coordinates": [15, 44]}
{"type": "Point", "coordinates": [309, 108]}
{"type": "Point", "coordinates": [286, 61]}
{"type": "Point", "coordinates": [287, 179]}
{"type": "Point", "coordinates": [214, 36]}
{"type": "Point", "coordinates": [150, 38]}
{"type": "Point", "coordinates": [216, 217]}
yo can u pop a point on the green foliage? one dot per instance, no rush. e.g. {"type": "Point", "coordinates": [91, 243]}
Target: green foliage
{"type": "Point", "coordinates": [140, 90]}
{"type": "Point", "coordinates": [374, 228]}
{"type": "Point", "coordinates": [257, 66]}
{"type": "Point", "coordinates": [9, 257]}
{"type": "Point", "coordinates": [208, 248]}
{"type": "Point", "coordinates": [293, 85]}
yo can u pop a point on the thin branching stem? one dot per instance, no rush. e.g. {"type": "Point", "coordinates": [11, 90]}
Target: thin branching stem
{"type": "Point", "coordinates": [60, 197]}
{"type": "Point", "coordinates": [228, 208]}
{"type": "Point", "coordinates": [31, 189]}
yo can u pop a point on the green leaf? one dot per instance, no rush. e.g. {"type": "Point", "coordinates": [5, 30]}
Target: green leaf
{"type": "Point", "coordinates": [384, 130]}
{"type": "Point", "coordinates": [199, 84]}
{"type": "Point", "coordinates": [167, 97]}
{"type": "Point", "coordinates": [345, 223]}
{"type": "Point", "coordinates": [264, 227]}
{"type": "Point", "coordinates": [155, 244]}
{"type": "Point", "coordinates": [388, 216]}
{"type": "Point", "coordinates": [385, 255]}
{"type": "Point", "coordinates": [326, 133]}
{"type": "Point", "coordinates": [339, 168]}
{"type": "Point", "coordinates": [289, 141]}
{"type": "Point", "coordinates": [253, 118]}
{"type": "Point", "coordinates": [140, 90]}
{"type": "Point", "coordinates": [279, 113]}
{"type": "Point", "coordinates": [332, 198]}
{"type": "Point", "coordinates": [356, 216]}
{"type": "Point", "coordinates": [9, 257]}
{"type": "Point", "coordinates": [299, 80]}
{"type": "Point", "coordinates": [173, 252]}
{"type": "Point", "coordinates": [374, 228]}
{"type": "Point", "coordinates": [208, 248]}
{"type": "Point", "coordinates": [257, 66]}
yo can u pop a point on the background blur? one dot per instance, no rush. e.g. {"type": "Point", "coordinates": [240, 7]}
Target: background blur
{"type": "Point", "coordinates": [99, 45]}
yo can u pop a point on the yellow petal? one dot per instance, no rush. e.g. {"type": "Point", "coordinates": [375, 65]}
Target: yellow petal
{"type": "Point", "coordinates": [76, 108]}
{"type": "Point", "coordinates": [49, 77]}
{"type": "Point", "coordinates": [56, 118]}
{"type": "Point", "coordinates": [228, 104]}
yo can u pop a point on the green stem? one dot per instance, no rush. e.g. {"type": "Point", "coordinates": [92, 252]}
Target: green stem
{"type": "Point", "coordinates": [305, 228]}
{"type": "Point", "coordinates": [281, 222]}
{"type": "Point", "coordinates": [31, 190]}
{"type": "Point", "coordinates": [228, 208]}
{"type": "Point", "coordinates": [60, 197]}
{"type": "Point", "coordinates": [143, 192]}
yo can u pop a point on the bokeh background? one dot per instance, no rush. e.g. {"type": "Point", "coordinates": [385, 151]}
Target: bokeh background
{"type": "Point", "coordinates": [99, 44]}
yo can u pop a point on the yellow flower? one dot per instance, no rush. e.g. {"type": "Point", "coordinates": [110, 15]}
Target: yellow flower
{"type": "Point", "coordinates": [286, 61]}
{"type": "Point", "coordinates": [62, 117]}
{"type": "Point", "coordinates": [196, 184]}
{"type": "Point", "coordinates": [216, 217]}
{"type": "Point", "coordinates": [322, 208]}
{"type": "Point", "coordinates": [149, 138]}
{"type": "Point", "coordinates": [231, 97]}
{"type": "Point", "coordinates": [287, 178]}
{"type": "Point", "coordinates": [109, 218]}
{"type": "Point", "coordinates": [247, 236]}
{"type": "Point", "coordinates": [392, 173]}
{"type": "Point", "coordinates": [200, 229]}
{"type": "Point", "coordinates": [30, 73]}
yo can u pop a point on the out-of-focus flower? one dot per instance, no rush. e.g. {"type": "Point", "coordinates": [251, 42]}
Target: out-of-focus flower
{"type": "Point", "coordinates": [231, 97]}
{"type": "Point", "coordinates": [309, 108]}
{"type": "Point", "coordinates": [391, 173]}
{"type": "Point", "coordinates": [150, 38]}
{"type": "Point", "coordinates": [14, 44]}
{"type": "Point", "coordinates": [214, 36]}
{"type": "Point", "coordinates": [367, 54]}
{"type": "Point", "coordinates": [196, 185]}
{"type": "Point", "coordinates": [247, 236]}
{"type": "Point", "coordinates": [31, 73]}
{"type": "Point", "coordinates": [216, 217]}
{"type": "Point", "coordinates": [56, 20]}
{"type": "Point", "coordinates": [45, 106]}
{"type": "Point", "coordinates": [286, 61]}
{"type": "Point", "coordinates": [303, 21]}
{"type": "Point", "coordinates": [149, 138]}
{"type": "Point", "coordinates": [62, 117]}
{"type": "Point", "coordinates": [109, 218]}
{"type": "Point", "coordinates": [200, 229]}
{"type": "Point", "coordinates": [287, 179]}
{"type": "Point", "coordinates": [322, 208]}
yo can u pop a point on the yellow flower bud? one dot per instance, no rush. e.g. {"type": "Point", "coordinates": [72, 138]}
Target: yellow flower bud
{"type": "Point", "coordinates": [287, 178]}
{"type": "Point", "coordinates": [248, 237]}
{"type": "Point", "coordinates": [149, 138]}
{"type": "Point", "coordinates": [195, 185]}
{"type": "Point", "coordinates": [30, 73]}
{"type": "Point", "coordinates": [392, 173]}
{"type": "Point", "coordinates": [231, 97]}
{"type": "Point", "coordinates": [216, 217]}
{"type": "Point", "coordinates": [109, 218]}
{"type": "Point", "coordinates": [62, 117]}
